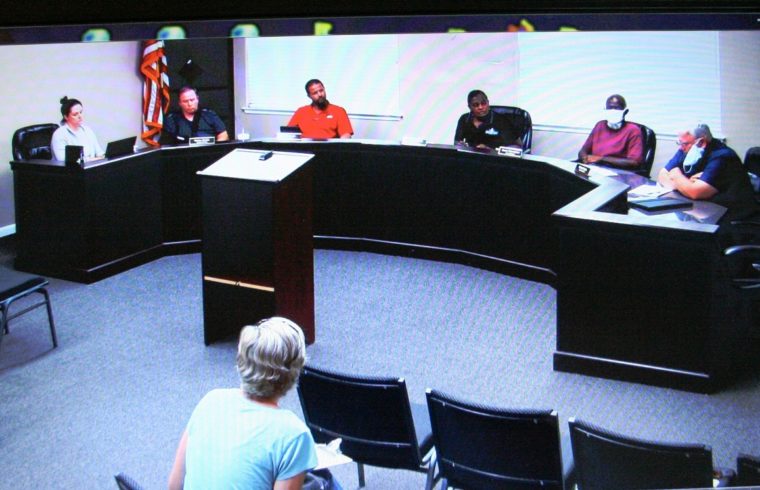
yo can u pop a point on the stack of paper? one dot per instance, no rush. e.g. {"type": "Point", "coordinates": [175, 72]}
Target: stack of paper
{"type": "Point", "coordinates": [649, 190]}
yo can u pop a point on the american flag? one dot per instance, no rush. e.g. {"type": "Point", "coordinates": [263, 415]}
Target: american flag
{"type": "Point", "coordinates": [155, 90]}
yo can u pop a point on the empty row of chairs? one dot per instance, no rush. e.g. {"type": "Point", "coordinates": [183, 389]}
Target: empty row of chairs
{"type": "Point", "coordinates": [479, 447]}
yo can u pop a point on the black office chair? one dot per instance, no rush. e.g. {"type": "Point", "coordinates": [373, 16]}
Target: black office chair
{"type": "Point", "coordinates": [33, 142]}
{"type": "Point", "coordinates": [480, 447]}
{"type": "Point", "coordinates": [15, 285]}
{"type": "Point", "coordinates": [747, 471]}
{"type": "Point", "coordinates": [520, 119]}
{"type": "Point", "coordinates": [752, 160]}
{"type": "Point", "coordinates": [124, 482]}
{"type": "Point", "coordinates": [747, 268]}
{"type": "Point", "coordinates": [373, 416]}
{"type": "Point", "coordinates": [746, 230]}
{"type": "Point", "coordinates": [752, 165]}
{"type": "Point", "coordinates": [650, 145]}
{"type": "Point", "coordinates": [605, 460]}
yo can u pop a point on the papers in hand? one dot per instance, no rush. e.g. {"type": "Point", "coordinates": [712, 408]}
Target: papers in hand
{"type": "Point", "coordinates": [329, 455]}
{"type": "Point", "coordinates": [649, 190]}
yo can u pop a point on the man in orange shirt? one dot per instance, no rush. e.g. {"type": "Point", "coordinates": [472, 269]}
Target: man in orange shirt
{"type": "Point", "coordinates": [321, 119]}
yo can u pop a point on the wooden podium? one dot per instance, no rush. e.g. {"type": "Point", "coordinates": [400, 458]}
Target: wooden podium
{"type": "Point", "coordinates": [258, 253]}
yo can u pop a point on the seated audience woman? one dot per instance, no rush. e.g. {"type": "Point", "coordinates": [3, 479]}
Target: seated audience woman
{"type": "Point", "coordinates": [73, 131]}
{"type": "Point", "coordinates": [240, 438]}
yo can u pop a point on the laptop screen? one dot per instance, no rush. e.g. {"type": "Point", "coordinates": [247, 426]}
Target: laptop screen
{"type": "Point", "coordinates": [120, 147]}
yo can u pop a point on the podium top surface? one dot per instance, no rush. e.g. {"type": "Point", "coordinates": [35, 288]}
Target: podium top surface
{"type": "Point", "coordinates": [247, 164]}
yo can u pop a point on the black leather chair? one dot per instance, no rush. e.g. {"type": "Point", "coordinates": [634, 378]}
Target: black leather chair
{"type": "Point", "coordinates": [124, 482]}
{"type": "Point", "coordinates": [752, 165]}
{"type": "Point", "coordinates": [605, 460]}
{"type": "Point", "coordinates": [752, 160]}
{"type": "Point", "coordinates": [748, 267]}
{"type": "Point", "coordinates": [15, 285]}
{"type": "Point", "coordinates": [650, 145]}
{"type": "Point", "coordinates": [373, 416]}
{"type": "Point", "coordinates": [520, 118]}
{"type": "Point", "coordinates": [480, 447]}
{"type": "Point", "coordinates": [747, 471]}
{"type": "Point", "coordinates": [33, 142]}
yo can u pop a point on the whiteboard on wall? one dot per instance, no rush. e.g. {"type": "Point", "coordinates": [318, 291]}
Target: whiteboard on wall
{"type": "Point", "coordinates": [671, 80]}
{"type": "Point", "coordinates": [360, 73]}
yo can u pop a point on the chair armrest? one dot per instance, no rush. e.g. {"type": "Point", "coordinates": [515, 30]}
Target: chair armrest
{"type": "Point", "coordinates": [747, 283]}
{"type": "Point", "coordinates": [748, 222]}
{"type": "Point", "coordinates": [741, 249]}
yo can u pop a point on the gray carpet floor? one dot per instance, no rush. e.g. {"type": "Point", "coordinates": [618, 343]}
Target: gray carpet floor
{"type": "Point", "coordinates": [131, 365]}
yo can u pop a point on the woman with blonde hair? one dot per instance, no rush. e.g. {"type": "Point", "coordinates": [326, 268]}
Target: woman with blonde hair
{"type": "Point", "coordinates": [240, 438]}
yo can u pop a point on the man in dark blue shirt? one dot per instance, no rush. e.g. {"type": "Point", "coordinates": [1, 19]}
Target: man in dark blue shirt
{"type": "Point", "coordinates": [705, 168]}
{"type": "Point", "coordinates": [192, 121]}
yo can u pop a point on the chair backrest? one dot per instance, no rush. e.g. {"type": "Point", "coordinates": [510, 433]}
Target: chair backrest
{"type": "Point", "coordinates": [371, 415]}
{"type": "Point", "coordinates": [650, 145]}
{"type": "Point", "coordinates": [747, 470]}
{"type": "Point", "coordinates": [752, 160]}
{"type": "Point", "coordinates": [606, 460]}
{"type": "Point", "coordinates": [482, 447]}
{"type": "Point", "coordinates": [124, 482]}
{"type": "Point", "coordinates": [33, 142]}
{"type": "Point", "coordinates": [520, 118]}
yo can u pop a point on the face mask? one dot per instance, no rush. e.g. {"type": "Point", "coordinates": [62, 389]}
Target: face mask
{"type": "Point", "coordinates": [614, 118]}
{"type": "Point", "coordinates": [692, 157]}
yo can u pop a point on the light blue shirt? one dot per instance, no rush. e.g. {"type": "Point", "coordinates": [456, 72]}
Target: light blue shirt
{"type": "Point", "coordinates": [236, 443]}
{"type": "Point", "coordinates": [84, 137]}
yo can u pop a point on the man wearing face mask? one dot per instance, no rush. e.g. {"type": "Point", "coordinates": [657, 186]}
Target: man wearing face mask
{"type": "Point", "coordinates": [614, 141]}
{"type": "Point", "coordinates": [705, 168]}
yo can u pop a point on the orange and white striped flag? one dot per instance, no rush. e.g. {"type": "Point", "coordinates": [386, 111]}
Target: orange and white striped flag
{"type": "Point", "coordinates": [155, 90]}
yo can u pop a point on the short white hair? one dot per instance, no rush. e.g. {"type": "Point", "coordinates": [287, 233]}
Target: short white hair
{"type": "Point", "coordinates": [270, 357]}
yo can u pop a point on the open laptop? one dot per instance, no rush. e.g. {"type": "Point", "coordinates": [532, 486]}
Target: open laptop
{"type": "Point", "coordinates": [121, 147]}
{"type": "Point", "coordinates": [289, 133]}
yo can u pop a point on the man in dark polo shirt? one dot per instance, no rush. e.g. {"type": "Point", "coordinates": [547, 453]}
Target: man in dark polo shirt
{"type": "Point", "coordinates": [191, 121]}
{"type": "Point", "coordinates": [482, 127]}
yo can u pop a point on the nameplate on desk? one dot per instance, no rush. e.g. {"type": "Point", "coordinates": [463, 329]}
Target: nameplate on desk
{"type": "Point", "coordinates": [509, 151]}
{"type": "Point", "coordinates": [288, 136]}
{"type": "Point", "coordinates": [202, 140]}
{"type": "Point", "coordinates": [582, 170]}
{"type": "Point", "coordinates": [413, 141]}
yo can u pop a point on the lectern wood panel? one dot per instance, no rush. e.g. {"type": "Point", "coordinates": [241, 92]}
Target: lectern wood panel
{"type": "Point", "coordinates": [257, 251]}
{"type": "Point", "coordinates": [227, 308]}
{"type": "Point", "coordinates": [238, 239]}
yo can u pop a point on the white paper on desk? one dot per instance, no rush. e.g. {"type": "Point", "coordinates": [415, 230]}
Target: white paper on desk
{"type": "Point", "coordinates": [649, 190]}
{"type": "Point", "coordinates": [330, 455]}
{"type": "Point", "coordinates": [699, 214]}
